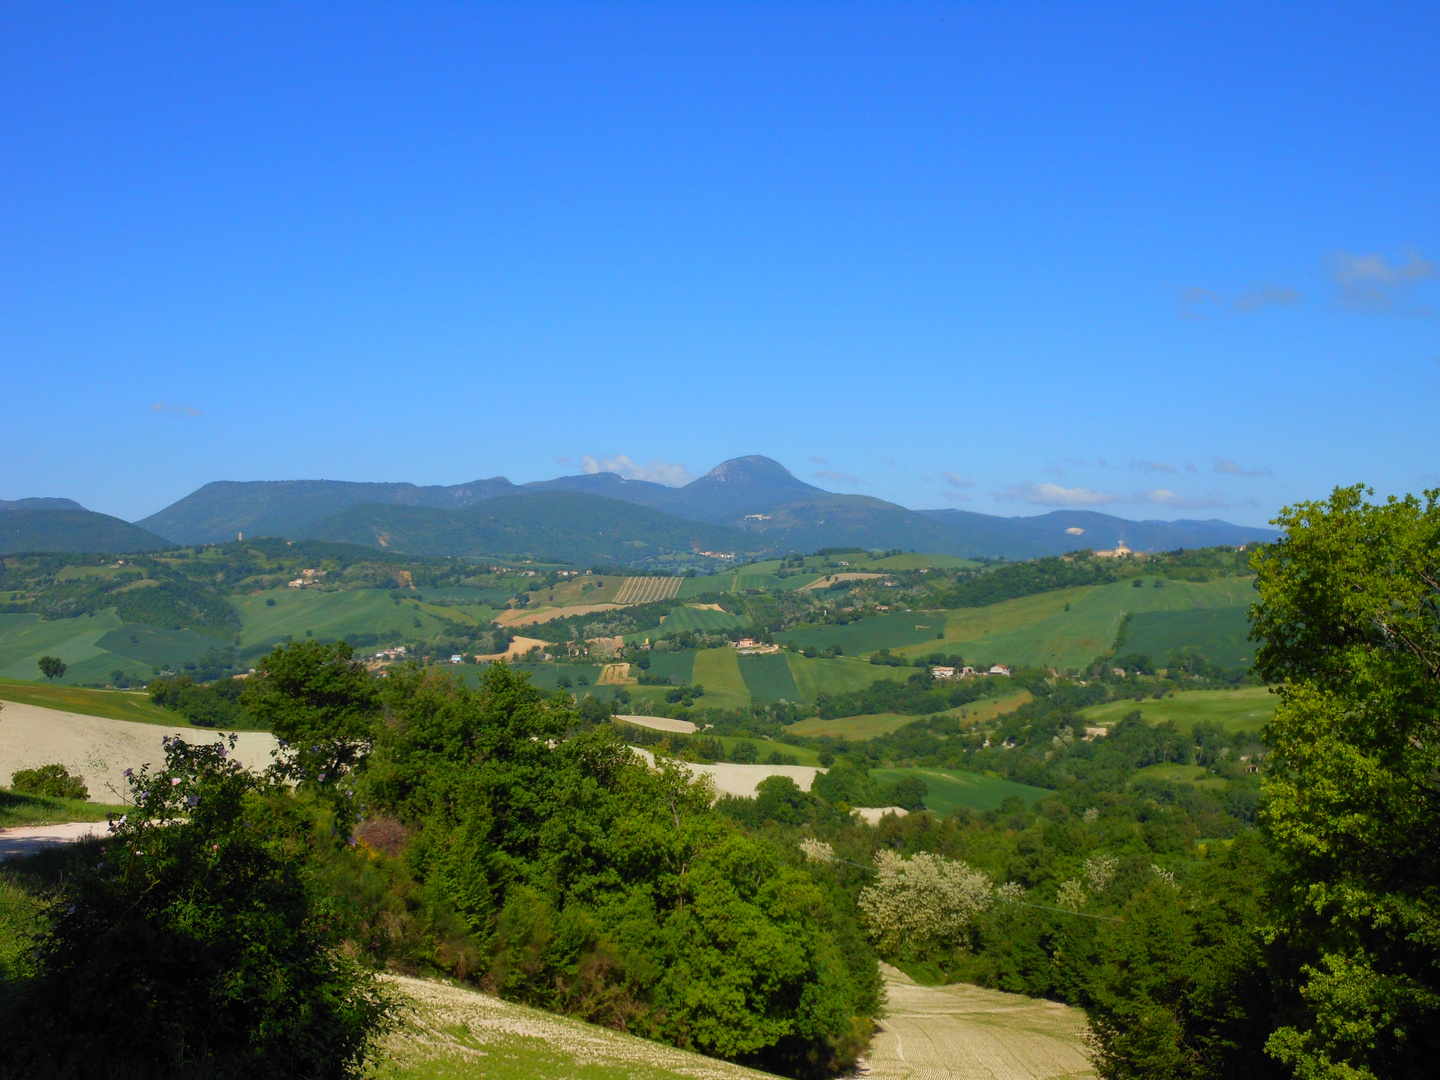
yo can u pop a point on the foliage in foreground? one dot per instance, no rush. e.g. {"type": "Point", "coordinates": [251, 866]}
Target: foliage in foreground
{"type": "Point", "coordinates": [192, 943]}
{"type": "Point", "coordinates": [53, 781]}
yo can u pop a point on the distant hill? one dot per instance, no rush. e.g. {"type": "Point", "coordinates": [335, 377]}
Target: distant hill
{"type": "Point", "coordinates": [75, 530]}
{"type": "Point", "coordinates": [219, 511]}
{"type": "Point", "coordinates": [752, 493]}
{"type": "Point", "coordinates": [39, 504]}
{"type": "Point", "coordinates": [565, 525]}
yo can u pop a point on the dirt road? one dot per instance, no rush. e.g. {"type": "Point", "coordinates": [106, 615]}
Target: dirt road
{"type": "Point", "coordinates": [962, 1032]}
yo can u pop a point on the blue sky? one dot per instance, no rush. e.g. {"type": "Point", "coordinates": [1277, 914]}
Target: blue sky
{"type": "Point", "coordinates": [1159, 260]}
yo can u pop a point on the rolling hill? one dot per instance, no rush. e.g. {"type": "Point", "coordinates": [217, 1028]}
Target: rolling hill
{"type": "Point", "coordinates": [67, 529]}
{"type": "Point", "coordinates": [754, 494]}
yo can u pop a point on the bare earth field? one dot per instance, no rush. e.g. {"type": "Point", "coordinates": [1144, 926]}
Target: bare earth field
{"type": "Point", "coordinates": [524, 617]}
{"type": "Point", "coordinates": [100, 749]}
{"type": "Point", "coordinates": [829, 579]}
{"type": "Point", "coordinates": [659, 723]}
{"type": "Point", "coordinates": [963, 1032]}
{"type": "Point", "coordinates": [519, 646]}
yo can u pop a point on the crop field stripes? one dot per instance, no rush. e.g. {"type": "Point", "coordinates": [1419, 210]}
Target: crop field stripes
{"type": "Point", "coordinates": [647, 590]}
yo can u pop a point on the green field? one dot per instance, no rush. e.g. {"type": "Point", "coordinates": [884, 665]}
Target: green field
{"type": "Point", "coordinates": [26, 638]}
{"type": "Point", "coordinates": [1217, 634]}
{"type": "Point", "coordinates": [337, 614]}
{"type": "Point", "coordinates": [814, 676]}
{"type": "Point", "coordinates": [1038, 630]}
{"type": "Point", "coordinates": [702, 620]}
{"type": "Point", "coordinates": [867, 635]}
{"type": "Point", "coordinates": [718, 671]}
{"type": "Point", "coordinates": [112, 704]}
{"type": "Point", "coordinates": [543, 676]}
{"type": "Point", "coordinates": [768, 678]}
{"type": "Point", "coordinates": [857, 728]}
{"type": "Point", "coordinates": [913, 561]}
{"type": "Point", "coordinates": [1248, 709]}
{"type": "Point", "coordinates": [156, 646]}
{"type": "Point", "coordinates": [678, 667]}
{"type": "Point", "coordinates": [951, 789]}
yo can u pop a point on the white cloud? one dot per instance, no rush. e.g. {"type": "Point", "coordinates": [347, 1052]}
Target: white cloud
{"type": "Point", "coordinates": [1226, 467]}
{"type": "Point", "coordinates": [955, 480]}
{"type": "Point", "coordinates": [1055, 495]}
{"type": "Point", "coordinates": [657, 472]}
{"type": "Point", "coordinates": [838, 477]}
{"type": "Point", "coordinates": [1371, 283]}
{"type": "Point", "coordinates": [818, 460]}
{"type": "Point", "coordinates": [174, 410]}
{"type": "Point", "coordinates": [1197, 302]}
{"type": "Point", "coordinates": [1152, 466]}
{"type": "Point", "coordinates": [1043, 494]}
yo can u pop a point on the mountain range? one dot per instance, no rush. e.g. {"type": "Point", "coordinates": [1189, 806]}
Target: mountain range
{"type": "Point", "coordinates": [747, 506]}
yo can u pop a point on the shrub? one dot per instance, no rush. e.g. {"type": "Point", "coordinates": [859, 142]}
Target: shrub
{"type": "Point", "coordinates": [52, 780]}
{"type": "Point", "coordinates": [192, 944]}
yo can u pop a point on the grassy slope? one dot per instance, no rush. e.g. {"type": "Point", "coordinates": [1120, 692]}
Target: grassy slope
{"type": "Point", "coordinates": [1218, 634]}
{"type": "Point", "coordinates": [111, 704]}
{"type": "Point", "coordinates": [718, 671]}
{"type": "Point", "coordinates": [913, 628]}
{"type": "Point", "coordinates": [951, 789]}
{"type": "Point", "coordinates": [704, 619]}
{"type": "Point", "coordinates": [335, 614]}
{"type": "Point", "coordinates": [868, 727]}
{"type": "Point", "coordinates": [838, 676]}
{"type": "Point", "coordinates": [1248, 709]}
{"type": "Point", "coordinates": [1038, 630]}
{"type": "Point", "coordinates": [768, 678]}
{"type": "Point", "coordinates": [18, 809]}
{"type": "Point", "coordinates": [26, 638]}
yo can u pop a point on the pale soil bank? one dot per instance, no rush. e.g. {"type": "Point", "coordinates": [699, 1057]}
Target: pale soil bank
{"type": "Point", "coordinates": [99, 749]}
{"type": "Point", "coordinates": [931, 1033]}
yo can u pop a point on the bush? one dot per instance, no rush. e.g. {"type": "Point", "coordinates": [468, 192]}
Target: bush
{"type": "Point", "coordinates": [52, 780]}
{"type": "Point", "coordinates": [192, 944]}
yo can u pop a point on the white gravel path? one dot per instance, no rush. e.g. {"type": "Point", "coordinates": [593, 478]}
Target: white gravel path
{"type": "Point", "coordinates": [98, 749]}
{"type": "Point", "coordinates": [28, 839]}
{"type": "Point", "coordinates": [963, 1032]}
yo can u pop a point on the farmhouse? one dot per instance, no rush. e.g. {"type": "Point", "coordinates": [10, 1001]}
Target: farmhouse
{"type": "Point", "coordinates": [943, 672]}
{"type": "Point", "coordinates": [1119, 552]}
{"type": "Point", "coordinates": [998, 669]}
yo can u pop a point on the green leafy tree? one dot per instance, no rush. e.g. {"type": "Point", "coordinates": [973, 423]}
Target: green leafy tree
{"type": "Point", "coordinates": [52, 667]}
{"type": "Point", "coordinates": [1349, 625]}
{"type": "Point", "coordinates": [192, 944]}
{"type": "Point", "coordinates": [52, 780]}
{"type": "Point", "coordinates": [321, 703]}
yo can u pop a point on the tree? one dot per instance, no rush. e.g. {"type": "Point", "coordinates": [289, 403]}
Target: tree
{"type": "Point", "coordinates": [321, 703]}
{"type": "Point", "coordinates": [1349, 625]}
{"type": "Point", "coordinates": [52, 667]}
{"type": "Point", "coordinates": [194, 944]}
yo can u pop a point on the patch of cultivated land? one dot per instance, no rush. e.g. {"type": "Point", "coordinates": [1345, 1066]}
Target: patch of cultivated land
{"type": "Point", "coordinates": [962, 1032]}
{"type": "Point", "coordinates": [827, 580]}
{"type": "Point", "coordinates": [647, 590]}
{"type": "Point", "coordinates": [526, 617]}
{"type": "Point", "coordinates": [869, 726]}
{"type": "Point", "coordinates": [1037, 630]}
{"type": "Point", "coordinates": [101, 750]}
{"type": "Point", "coordinates": [1247, 709]}
{"type": "Point", "coordinates": [718, 671]}
{"type": "Point", "coordinates": [952, 789]}
{"type": "Point", "coordinates": [450, 1032]}
{"type": "Point", "coordinates": [337, 614]}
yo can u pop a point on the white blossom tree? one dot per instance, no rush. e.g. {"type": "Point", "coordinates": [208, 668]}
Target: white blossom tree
{"type": "Point", "coordinates": [923, 901]}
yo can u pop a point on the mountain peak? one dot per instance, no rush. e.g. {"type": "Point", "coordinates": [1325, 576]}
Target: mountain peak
{"type": "Point", "coordinates": [752, 469]}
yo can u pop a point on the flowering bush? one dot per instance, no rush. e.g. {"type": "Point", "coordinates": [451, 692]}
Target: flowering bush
{"type": "Point", "coordinates": [191, 943]}
{"type": "Point", "coordinates": [922, 902]}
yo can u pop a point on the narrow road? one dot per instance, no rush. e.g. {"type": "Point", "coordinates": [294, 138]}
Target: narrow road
{"type": "Point", "coordinates": [962, 1032]}
{"type": "Point", "coordinates": [28, 839]}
